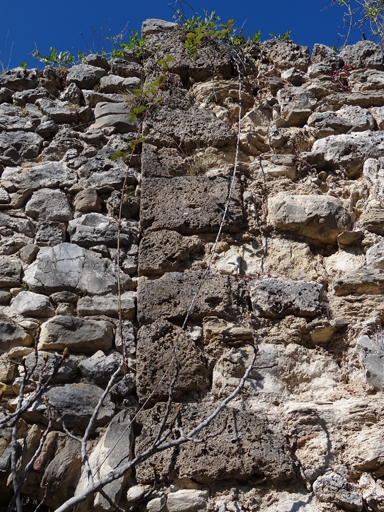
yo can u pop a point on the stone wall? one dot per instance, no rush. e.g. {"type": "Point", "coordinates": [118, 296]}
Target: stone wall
{"type": "Point", "coordinates": [298, 268]}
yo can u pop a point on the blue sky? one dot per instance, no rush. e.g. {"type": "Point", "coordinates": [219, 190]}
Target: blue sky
{"type": "Point", "coordinates": [72, 25]}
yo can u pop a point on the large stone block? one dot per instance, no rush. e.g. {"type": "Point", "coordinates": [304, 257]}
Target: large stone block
{"type": "Point", "coordinates": [161, 347]}
{"type": "Point", "coordinates": [364, 54]}
{"type": "Point", "coordinates": [249, 444]}
{"type": "Point", "coordinates": [18, 146]}
{"type": "Point", "coordinates": [170, 297]}
{"type": "Point", "coordinates": [371, 354]}
{"type": "Point", "coordinates": [76, 334]}
{"type": "Point", "coordinates": [296, 105]}
{"type": "Point", "coordinates": [190, 204]}
{"type": "Point", "coordinates": [50, 175]}
{"type": "Point", "coordinates": [362, 281]}
{"type": "Point", "coordinates": [320, 218]}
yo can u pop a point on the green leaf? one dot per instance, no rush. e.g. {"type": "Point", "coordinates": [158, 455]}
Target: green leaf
{"type": "Point", "coordinates": [132, 117]}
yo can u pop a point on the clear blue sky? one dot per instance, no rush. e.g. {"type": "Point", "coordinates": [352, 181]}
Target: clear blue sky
{"type": "Point", "coordinates": [65, 24]}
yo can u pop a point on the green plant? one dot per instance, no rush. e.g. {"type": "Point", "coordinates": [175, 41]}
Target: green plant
{"type": "Point", "coordinates": [55, 58]}
{"type": "Point", "coordinates": [25, 286]}
{"type": "Point", "coordinates": [134, 43]}
{"type": "Point", "coordinates": [23, 65]}
{"type": "Point", "coordinates": [285, 37]}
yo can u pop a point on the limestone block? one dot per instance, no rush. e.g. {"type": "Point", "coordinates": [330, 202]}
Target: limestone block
{"type": "Point", "coordinates": [18, 146]}
{"type": "Point", "coordinates": [10, 273]}
{"type": "Point", "coordinates": [364, 54]}
{"type": "Point", "coordinates": [95, 229]}
{"type": "Point", "coordinates": [113, 84]}
{"type": "Point", "coordinates": [18, 79]}
{"type": "Point", "coordinates": [282, 54]}
{"type": "Point", "coordinates": [32, 304]}
{"type": "Point", "coordinates": [126, 69]}
{"type": "Point", "coordinates": [371, 355]}
{"type": "Point", "coordinates": [170, 296]}
{"type": "Point", "coordinates": [50, 233]}
{"type": "Point", "coordinates": [21, 98]}
{"type": "Point", "coordinates": [334, 488]}
{"type": "Point", "coordinates": [58, 111]}
{"type": "Point", "coordinates": [85, 76]}
{"type": "Point", "coordinates": [375, 256]}
{"type": "Point", "coordinates": [108, 305]}
{"type": "Point", "coordinates": [70, 267]}
{"type": "Point", "coordinates": [320, 218]}
{"type": "Point", "coordinates": [114, 115]}
{"type": "Point", "coordinates": [185, 500]}
{"type": "Point", "coordinates": [161, 162]}
{"type": "Point", "coordinates": [47, 204]}
{"type": "Point", "coordinates": [156, 347]}
{"type": "Point", "coordinates": [50, 175]}
{"type": "Point", "coordinates": [194, 204]}
{"type": "Point", "coordinates": [323, 54]}
{"type": "Point", "coordinates": [346, 120]}
{"type": "Point", "coordinates": [276, 298]}
{"type": "Point", "coordinates": [47, 362]}
{"type": "Point", "coordinates": [296, 105]}
{"type": "Point", "coordinates": [99, 367]}
{"type": "Point", "coordinates": [76, 334]}
{"type": "Point", "coordinates": [362, 281]}
{"type": "Point", "coordinates": [11, 335]}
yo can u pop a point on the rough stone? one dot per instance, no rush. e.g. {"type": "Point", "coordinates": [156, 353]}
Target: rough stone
{"type": "Point", "coordinates": [18, 146]}
{"type": "Point", "coordinates": [32, 304]}
{"type": "Point", "coordinates": [10, 273]}
{"type": "Point", "coordinates": [155, 26]}
{"type": "Point", "coordinates": [194, 204]}
{"type": "Point", "coordinates": [85, 76]}
{"type": "Point", "coordinates": [346, 120]}
{"type": "Point", "coordinates": [58, 111]}
{"type": "Point", "coordinates": [99, 367]}
{"type": "Point", "coordinates": [161, 162]}
{"type": "Point", "coordinates": [77, 334]}
{"type": "Point", "coordinates": [18, 79]}
{"type": "Point", "coordinates": [127, 69]}
{"type": "Point", "coordinates": [44, 367]}
{"type": "Point", "coordinates": [364, 99]}
{"type": "Point", "coordinates": [375, 256]}
{"type": "Point", "coordinates": [95, 229]}
{"type": "Point", "coordinates": [5, 95]}
{"type": "Point", "coordinates": [373, 493]}
{"type": "Point", "coordinates": [50, 233]}
{"type": "Point", "coordinates": [20, 224]}
{"type": "Point", "coordinates": [282, 54]}
{"type": "Point", "coordinates": [360, 282]}
{"type": "Point", "coordinates": [72, 94]}
{"type": "Point", "coordinates": [364, 54]}
{"type": "Point", "coordinates": [88, 201]}
{"type": "Point", "coordinates": [371, 355]}
{"type": "Point", "coordinates": [108, 306]}
{"type": "Point", "coordinates": [157, 346]}
{"type": "Point", "coordinates": [73, 404]}
{"type": "Point", "coordinates": [11, 335]}
{"type": "Point", "coordinates": [322, 54]}
{"type": "Point", "coordinates": [170, 296]}
{"type": "Point", "coordinates": [29, 96]}
{"type": "Point", "coordinates": [70, 267]}
{"type": "Point", "coordinates": [276, 298]}
{"type": "Point", "coordinates": [113, 84]}
{"type": "Point", "coordinates": [114, 115]}
{"type": "Point", "coordinates": [188, 130]}
{"type": "Point", "coordinates": [102, 460]}
{"type": "Point", "coordinates": [237, 452]}
{"type": "Point", "coordinates": [319, 218]}
{"type": "Point", "coordinates": [185, 500]}
{"type": "Point", "coordinates": [296, 105]}
{"type": "Point", "coordinates": [47, 129]}
{"type": "Point", "coordinates": [165, 251]}
{"type": "Point", "coordinates": [50, 175]}
{"type": "Point", "coordinates": [47, 204]}
{"type": "Point", "coordinates": [334, 488]}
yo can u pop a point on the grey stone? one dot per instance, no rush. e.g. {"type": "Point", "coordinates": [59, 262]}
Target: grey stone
{"type": "Point", "coordinates": [184, 500]}
{"type": "Point", "coordinates": [58, 111]}
{"type": "Point", "coordinates": [11, 335]}
{"type": "Point", "coordinates": [18, 146]}
{"type": "Point", "coordinates": [277, 298]}
{"type": "Point", "coordinates": [365, 99]}
{"type": "Point", "coordinates": [114, 115]}
{"type": "Point", "coordinates": [92, 98]}
{"type": "Point", "coordinates": [194, 204]}
{"type": "Point", "coordinates": [5, 297]}
{"type": "Point", "coordinates": [99, 367]}
{"type": "Point", "coordinates": [252, 444]}
{"type": "Point", "coordinates": [49, 365]}
{"type": "Point", "coordinates": [99, 61]}
{"type": "Point", "coordinates": [103, 460]}
{"type": "Point", "coordinates": [362, 281]}
{"type": "Point", "coordinates": [296, 105]}
{"type": "Point", "coordinates": [347, 152]}
{"type": "Point", "coordinates": [165, 251]}
{"type": "Point", "coordinates": [18, 79]}
{"type": "Point", "coordinates": [371, 354]}
{"type": "Point", "coordinates": [68, 267]}
{"type": "Point", "coordinates": [32, 304]}
{"type": "Point", "coordinates": [170, 297]}
{"type": "Point", "coordinates": [294, 76]}
{"type": "Point", "coordinates": [127, 69]}
{"type": "Point", "coordinates": [366, 80]}
{"type": "Point", "coordinates": [323, 54]}
{"type": "Point", "coordinates": [320, 218]}
{"type": "Point", "coordinates": [317, 71]}
{"type": "Point", "coordinates": [72, 94]}
{"type": "Point", "coordinates": [18, 223]}
{"type": "Point", "coordinates": [73, 404]}
{"type": "Point", "coordinates": [85, 76]}
{"type": "Point", "coordinates": [67, 297]}
{"type": "Point", "coordinates": [161, 162]}
{"type": "Point", "coordinates": [194, 128]}
{"type": "Point", "coordinates": [65, 140]}
{"type": "Point", "coordinates": [88, 201]}
{"type": "Point", "coordinates": [155, 26]}
{"type": "Point", "coordinates": [128, 345]}
{"type": "Point", "coordinates": [5, 95]}
{"type": "Point", "coordinates": [157, 345]}
{"type": "Point", "coordinates": [47, 204]}
{"type": "Point", "coordinates": [47, 129]}
{"type": "Point", "coordinates": [50, 175]}
{"type": "Point", "coordinates": [95, 229]}
{"type": "Point", "coordinates": [364, 54]}
{"type": "Point", "coordinates": [50, 233]}
{"type": "Point", "coordinates": [346, 120]}
{"type": "Point", "coordinates": [113, 84]}
{"type": "Point", "coordinates": [76, 334]}
{"type": "Point", "coordinates": [10, 273]}
{"type": "Point", "coordinates": [282, 54]}
{"type": "Point", "coordinates": [333, 488]}
{"type": "Point", "coordinates": [4, 197]}
{"type": "Point", "coordinates": [108, 306]}
{"type": "Point", "coordinates": [13, 119]}
{"type": "Point", "coordinates": [29, 96]}
{"type": "Point", "coordinates": [375, 256]}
